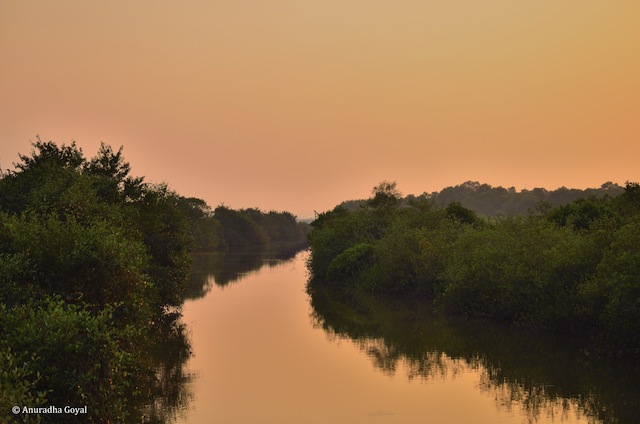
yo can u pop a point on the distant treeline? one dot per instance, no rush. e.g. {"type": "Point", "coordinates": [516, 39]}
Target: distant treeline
{"type": "Point", "coordinates": [92, 260]}
{"type": "Point", "coordinates": [225, 228]}
{"type": "Point", "coordinates": [571, 268]}
{"type": "Point", "coordinates": [499, 201]}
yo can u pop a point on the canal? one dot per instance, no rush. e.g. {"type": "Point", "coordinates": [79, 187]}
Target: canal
{"type": "Point", "coordinates": [266, 351]}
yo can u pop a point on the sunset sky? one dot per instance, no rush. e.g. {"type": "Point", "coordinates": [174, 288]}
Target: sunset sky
{"type": "Point", "coordinates": [297, 105]}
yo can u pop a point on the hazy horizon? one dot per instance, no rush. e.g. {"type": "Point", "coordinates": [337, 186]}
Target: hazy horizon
{"type": "Point", "coordinates": [295, 106]}
{"type": "Point", "coordinates": [88, 155]}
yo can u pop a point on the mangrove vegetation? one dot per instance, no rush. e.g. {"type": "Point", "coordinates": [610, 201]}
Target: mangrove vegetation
{"type": "Point", "coordinates": [573, 268]}
{"type": "Point", "coordinates": [94, 265]}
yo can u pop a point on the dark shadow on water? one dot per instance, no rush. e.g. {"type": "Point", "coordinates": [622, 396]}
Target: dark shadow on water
{"type": "Point", "coordinates": [543, 373]}
{"type": "Point", "coordinates": [168, 387]}
{"type": "Point", "coordinates": [228, 267]}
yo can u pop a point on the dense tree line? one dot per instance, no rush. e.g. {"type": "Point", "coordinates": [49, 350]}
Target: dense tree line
{"type": "Point", "coordinates": [573, 268]}
{"type": "Point", "coordinates": [494, 201]}
{"type": "Point", "coordinates": [251, 228]}
{"type": "Point", "coordinates": [232, 229]}
{"type": "Point", "coordinates": [91, 261]}
{"type": "Point", "coordinates": [499, 201]}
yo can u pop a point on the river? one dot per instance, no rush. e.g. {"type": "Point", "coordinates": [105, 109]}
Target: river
{"type": "Point", "coordinates": [265, 351]}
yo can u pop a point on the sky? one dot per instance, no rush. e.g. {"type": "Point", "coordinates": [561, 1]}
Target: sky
{"type": "Point", "coordinates": [298, 105]}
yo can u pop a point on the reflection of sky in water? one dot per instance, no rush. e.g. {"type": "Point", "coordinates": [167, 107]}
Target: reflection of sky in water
{"type": "Point", "coordinates": [531, 404]}
{"type": "Point", "coordinates": [223, 268]}
{"type": "Point", "coordinates": [259, 358]}
{"type": "Point", "coordinates": [438, 368]}
{"type": "Point", "coordinates": [540, 376]}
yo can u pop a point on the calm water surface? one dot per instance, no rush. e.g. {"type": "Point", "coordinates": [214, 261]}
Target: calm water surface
{"type": "Point", "coordinates": [265, 351]}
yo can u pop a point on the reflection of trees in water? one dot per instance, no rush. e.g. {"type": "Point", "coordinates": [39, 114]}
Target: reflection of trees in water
{"type": "Point", "coordinates": [227, 267]}
{"type": "Point", "coordinates": [169, 389]}
{"type": "Point", "coordinates": [431, 366]}
{"type": "Point", "coordinates": [537, 401]}
{"type": "Point", "coordinates": [544, 375]}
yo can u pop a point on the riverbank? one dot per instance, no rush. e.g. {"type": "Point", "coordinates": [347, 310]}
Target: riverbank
{"type": "Point", "coordinates": [94, 265]}
{"type": "Point", "coordinates": [571, 269]}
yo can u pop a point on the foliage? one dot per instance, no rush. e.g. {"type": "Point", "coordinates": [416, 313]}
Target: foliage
{"type": "Point", "coordinates": [334, 231]}
{"type": "Point", "coordinates": [206, 230]}
{"type": "Point", "coordinates": [520, 269]}
{"type": "Point", "coordinates": [94, 263]}
{"type": "Point", "coordinates": [460, 214]}
{"type": "Point", "coordinates": [89, 229]}
{"type": "Point", "coordinates": [239, 228]}
{"type": "Point", "coordinates": [385, 196]}
{"type": "Point", "coordinates": [18, 385]}
{"type": "Point", "coordinates": [407, 244]}
{"type": "Point", "coordinates": [612, 296]}
{"type": "Point", "coordinates": [409, 260]}
{"type": "Point", "coordinates": [70, 356]}
{"type": "Point", "coordinates": [584, 213]}
{"type": "Point", "coordinates": [165, 230]}
{"type": "Point", "coordinates": [495, 201]}
{"type": "Point", "coordinates": [351, 262]}
{"type": "Point", "coordinates": [570, 268]}
{"type": "Point", "coordinates": [251, 228]}
{"type": "Point", "coordinates": [90, 260]}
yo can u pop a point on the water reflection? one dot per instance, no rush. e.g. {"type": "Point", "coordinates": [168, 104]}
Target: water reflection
{"type": "Point", "coordinates": [547, 377]}
{"type": "Point", "coordinates": [224, 268]}
{"type": "Point", "coordinates": [169, 388]}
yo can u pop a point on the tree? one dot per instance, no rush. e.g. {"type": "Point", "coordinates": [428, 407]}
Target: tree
{"type": "Point", "coordinates": [460, 214]}
{"type": "Point", "coordinates": [239, 229]}
{"type": "Point", "coordinates": [166, 231]}
{"type": "Point", "coordinates": [111, 173]}
{"type": "Point", "coordinates": [48, 163]}
{"type": "Point", "coordinates": [385, 196]}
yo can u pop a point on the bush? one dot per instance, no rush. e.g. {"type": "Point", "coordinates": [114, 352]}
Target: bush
{"type": "Point", "coordinates": [349, 264]}
{"type": "Point", "coordinates": [96, 263]}
{"type": "Point", "coordinates": [335, 231]}
{"type": "Point", "coordinates": [575, 268]}
{"type": "Point", "coordinates": [18, 386]}
{"type": "Point", "coordinates": [612, 296]}
{"type": "Point", "coordinates": [522, 270]}
{"type": "Point", "coordinates": [70, 356]}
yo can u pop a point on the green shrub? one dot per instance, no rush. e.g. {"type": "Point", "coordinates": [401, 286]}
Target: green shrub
{"type": "Point", "coordinates": [335, 231]}
{"type": "Point", "coordinates": [612, 296]}
{"type": "Point", "coordinates": [96, 263]}
{"type": "Point", "coordinates": [18, 386]}
{"type": "Point", "coordinates": [349, 264]}
{"type": "Point", "coordinates": [70, 356]}
{"type": "Point", "coordinates": [522, 270]}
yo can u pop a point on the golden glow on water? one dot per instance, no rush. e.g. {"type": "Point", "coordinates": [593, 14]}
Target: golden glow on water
{"type": "Point", "coordinates": [259, 358]}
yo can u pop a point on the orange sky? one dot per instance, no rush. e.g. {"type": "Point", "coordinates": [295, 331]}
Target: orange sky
{"type": "Point", "coordinates": [298, 105]}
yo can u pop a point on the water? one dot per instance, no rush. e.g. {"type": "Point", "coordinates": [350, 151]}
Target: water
{"type": "Point", "coordinates": [264, 351]}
